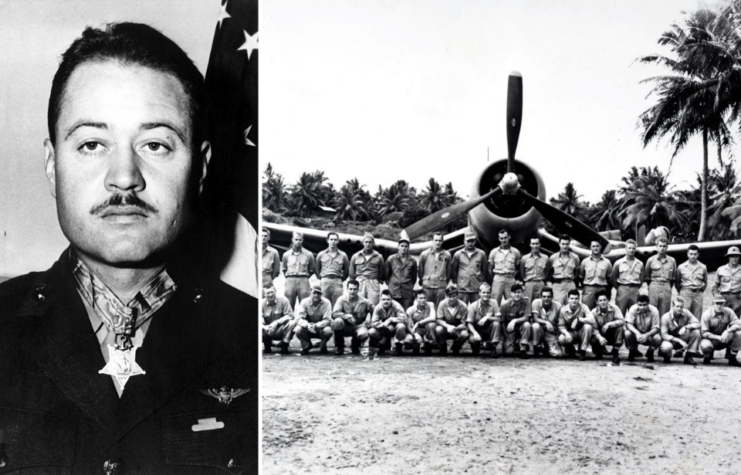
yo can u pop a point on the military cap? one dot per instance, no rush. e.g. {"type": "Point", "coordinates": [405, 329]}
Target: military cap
{"type": "Point", "coordinates": [719, 299]}
{"type": "Point", "coordinates": [733, 251]}
{"type": "Point", "coordinates": [451, 289]}
{"type": "Point", "coordinates": [316, 287]}
{"type": "Point", "coordinates": [469, 235]}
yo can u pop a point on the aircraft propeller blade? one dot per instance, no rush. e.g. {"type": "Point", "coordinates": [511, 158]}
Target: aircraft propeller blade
{"type": "Point", "coordinates": [447, 215]}
{"type": "Point", "coordinates": [514, 117]}
{"type": "Point", "coordinates": [565, 222]}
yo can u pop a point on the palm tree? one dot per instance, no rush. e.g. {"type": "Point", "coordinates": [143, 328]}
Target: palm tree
{"type": "Point", "coordinates": [434, 198]}
{"type": "Point", "coordinates": [394, 198]}
{"type": "Point", "coordinates": [694, 99]}
{"type": "Point", "coordinates": [308, 193]}
{"type": "Point", "coordinates": [603, 216]}
{"type": "Point", "coordinates": [650, 201]}
{"type": "Point", "coordinates": [348, 201]}
{"type": "Point", "coordinates": [725, 192]}
{"type": "Point", "coordinates": [273, 190]}
{"type": "Point", "coordinates": [569, 202]}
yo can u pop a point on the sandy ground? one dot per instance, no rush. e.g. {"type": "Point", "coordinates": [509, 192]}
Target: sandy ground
{"type": "Point", "coordinates": [408, 415]}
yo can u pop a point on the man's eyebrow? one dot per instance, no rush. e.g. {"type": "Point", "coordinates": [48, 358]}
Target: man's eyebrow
{"type": "Point", "coordinates": [84, 123]}
{"type": "Point", "coordinates": [167, 125]}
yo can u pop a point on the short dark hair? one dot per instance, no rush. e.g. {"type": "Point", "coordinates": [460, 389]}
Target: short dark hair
{"type": "Point", "coordinates": [353, 282]}
{"type": "Point", "coordinates": [503, 231]}
{"type": "Point", "coordinates": [546, 289]}
{"type": "Point", "coordinates": [386, 292]}
{"type": "Point", "coordinates": [329, 234]}
{"type": "Point", "coordinates": [642, 298]}
{"type": "Point", "coordinates": [693, 247]}
{"type": "Point", "coordinates": [420, 292]}
{"type": "Point", "coordinates": [573, 292]}
{"type": "Point", "coordinates": [515, 288]}
{"type": "Point", "coordinates": [438, 233]}
{"type": "Point", "coordinates": [601, 293]}
{"type": "Point", "coordinates": [564, 237]}
{"type": "Point", "coordinates": [130, 44]}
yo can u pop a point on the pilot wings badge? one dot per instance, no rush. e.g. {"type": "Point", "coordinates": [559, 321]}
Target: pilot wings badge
{"type": "Point", "coordinates": [224, 394]}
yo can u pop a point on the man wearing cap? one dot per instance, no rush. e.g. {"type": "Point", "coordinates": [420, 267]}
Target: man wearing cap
{"type": "Point", "coordinates": [627, 275]}
{"type": "Point", "coordinates": [470, 270]}
{"type": "Point", "coordinates": [691, 280]}
{"type": "Point", "coordinates": [564, 270]}
{"type": "Point", "coordinates": [504, 263]}
{"type": "Point", "coordinates": [595, 274]}
{"type": "Point", "coordinates": [720, 328]}
{"type": "Point", "coordinates": [451, 321]}
{"type": "Point", "coordinates": [680, 331]}
{"type": "Point", "coordinates": [298, 265]}
{"type": "Point", "coordinates": [514, 314]}
{"type": "Point", "coordinates": [314, 320]}
{"type": "Point", "coordinates": [388, 322]}
{"type": "Point", "coordinates": [483, 321]}
{"type": "Point", "coordinates": [609, 328]}
{"type": "Point", "coordinates": [435, 269]}
{"type": "Point", "coordinates": [642, 326]}
{"type": "Point", "coordinates": [545, 313]}
{"type": "Point", "coordinates": [659, 274]}
{"type": "Point", "coordinates": [420, 324]}
{"type": "Point", "coordinates": [575, 325]}
{"type": "Point", "coordinates": [351, 316]}
{"type": "Point", "coordinates": [277, 320]}
{"type": "Point", "coordinates": [728, 281]}
{"type": "Point", "coordinates": [366, 266]}
{"type": "Point", "coordinates": [401, 273]}
{"type": "Point", "coordinates": [332, 268]}
{"type": "Point", "coordinates": [534, 268]}
{"type": "Point", "coordinates": [270, 259]}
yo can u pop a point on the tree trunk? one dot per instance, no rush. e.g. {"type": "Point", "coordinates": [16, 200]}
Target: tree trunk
{"type": "Point", "coordinates": [704, 187]}
{"type": "Point", "coordinates": [720, 155]}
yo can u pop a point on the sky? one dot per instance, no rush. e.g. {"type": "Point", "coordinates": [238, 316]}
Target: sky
{"type": "Point", "coordinates": [389, 90]}
{"type": "Point", "coordinates": [33, 35]}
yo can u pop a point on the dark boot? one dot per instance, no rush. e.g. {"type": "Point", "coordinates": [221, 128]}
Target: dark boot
{"type": "Point", "coordinates": [633, 354]}
{"type": "Point", "coordinates": [397, 349]}
{"type": "Point", "coordinates": [268, 346]}
{"type": "Point", "coordinates": [428, 349]}
{"type": "Point", "coordinates": [475, 348]}
{"type": "Point", "coordinates": [732, 361]}
{"type": "Point", "coordinates": [339, 343]}
{"type": "Point", "coordinates": [616, 356]}
{"type": "Point", "coordinates": [444, 348]}
{"type": "Point", "coordinates": [284, 348]}
{"type": "Point", "coordinates": [582, 355]}
{"type": "Point", "coordinates": [523, 352]}
{"type": "Point", "coordinates": [688, 360]}
{"type": "Point", "coordinates": [598, 351]}
{"type": "Point", "coordinates": [456, 348]}
{"type": "Point", "coordinates": [570, 351]}
{"type": "Point", "coordinates": [650, 355]}
{"type": "Point", "coordinates": [706, 359]}
{"type": "Point", "coordinates": [494, 351]}
{"type": "Point", "coordinates": [355, 346]}
{"type": "Point", "coordinates": [415, 351]}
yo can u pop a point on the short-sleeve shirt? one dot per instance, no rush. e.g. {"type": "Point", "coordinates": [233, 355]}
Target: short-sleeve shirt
{"type": "Point", "coordinates": [629, 273]}
{"type": "Point", "coordinates": [595, 271]}
{"type": "Point", "coordinates": [276, 310]}
{"type": "Point", "coordinates": [717, 323]}
{"type": "Point", "coordinates": [470, 270]}
{"type": "Point", "coordinates": [550, 314]}
{"type": "Point", "coordinates": [481, 308]}
{"type": "Point", "coordinates": [416, 315]}
{"type": "Point", "coordinates": [690, 277]}
{"type": "Point", "coordinates": [367, 267]}
{"type": "Point", "coordinates": [332, 266]}
{"type": "Point", "coordinates": [643, 321]}
{"type": "Point", "coordinates": [660, 270]}
{"type": "Point", "coordinates": [504, 261]}
{"type": "Point", "coordinates": [315, 313]}
{"type": "Point", "coordinates": [401, 276]}
{"type": "Point", "coordinates": [270, 264]}
{"type": "Point", "coordinates": [452, 314]}
{"type": "Point", "coordinates": [567, 316]}
{"type": "Point", "coordinates": [434, 268]}
{"type": "Point", "coordinates": [564, 268]}
{"type": "Point", "coordinates": [727, 280]}
{"type": "Point", "coordinates": [672, 323]}
{"type": "Point", "coordinates": [535, 267]}
{"type": "Point", "coordinates": [299, 264]}
{"type": "Point", "coordinates": [509, 310]}
{"type": "Point", "coordinates": [611, 314]}
{"type": "Point", "coordinates": [380, 314]}
{"type": "Point", "coordinates": [358, 309]}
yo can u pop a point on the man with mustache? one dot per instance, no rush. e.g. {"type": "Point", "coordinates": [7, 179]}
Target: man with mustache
{"type": "Point", "coordinates": [125, 354]}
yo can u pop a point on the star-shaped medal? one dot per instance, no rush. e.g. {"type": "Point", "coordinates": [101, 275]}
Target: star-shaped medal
{"type": "Point", "coordinates": [122, 364]}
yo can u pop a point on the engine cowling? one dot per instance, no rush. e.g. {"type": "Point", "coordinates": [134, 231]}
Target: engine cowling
{"type": "Point", "coordinates": [505, 211]}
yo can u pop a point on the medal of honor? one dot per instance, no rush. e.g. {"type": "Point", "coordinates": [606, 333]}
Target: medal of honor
{"type": "Point", "coordinates": [122, 364]}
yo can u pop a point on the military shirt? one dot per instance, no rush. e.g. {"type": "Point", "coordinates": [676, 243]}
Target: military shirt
{"type": "Point", "coordinates": [337, 266]}
{"type": "Point", "coordinates": [401, 276]}
{"type": "Point", "coordinates": [611, 314]}
{"type": "Point", "coordinates": [298, 264]}
{"type": "Point", "coordinates": [716, 324]}
{"type": "Point", "coordinates": [567, 316]}
{"type": "Point", "coordinates": [482, 308]}
{"type": "Point", "coordinates": [276, 310]}
{"type": "Point", "coordinates": [504, 261]}
{"type": "Point", "coordinates": [381, 314]}
{"type": "Point", "coordinates": [368, 267]}
{"type": "Point", "coordinates": [595, 271]}
{"type": "Point", "coordinates": [469, 271]}
{"type": "Point", "coordinates": [671, 323]}
{"type": "Point", "coordinates": [625, 272]}
{"type": "Point", "coordinates": [643, 321]}
{"type": "Point", "coordinates": [564, 267]}
{"type": "Point", "coordinates": [727, 280]}
{"type": "Point", "coordinates": [689, 277]}
{"type": "Point", "coordinates": [358, 310]}
{"type": "Point", "coordinates": [270, 265]}
{"type": "Point", "coordinates": [452, 314]}
{"type": "Point", "coordinates": [660, 270]}
{"type": "Point", "coordinates": [321, 312]}
{"type": "Point", "coordinates": [434, 269]}
{"type": "Point", "coordinates": [550, 314]}
{"type": "Point", "coordinates": [534, 268]}
{"type": "Point", "coordinates": [416, 315]}
{"type": "Point", "coordinates": [509, 310]}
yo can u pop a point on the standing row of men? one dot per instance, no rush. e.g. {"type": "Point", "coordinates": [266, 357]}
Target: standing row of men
{"type": "Point", "coordinates": [469, 267]}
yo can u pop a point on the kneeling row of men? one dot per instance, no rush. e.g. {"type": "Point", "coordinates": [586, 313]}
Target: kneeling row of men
{"type": "Point", "coordinates": [551, 329]}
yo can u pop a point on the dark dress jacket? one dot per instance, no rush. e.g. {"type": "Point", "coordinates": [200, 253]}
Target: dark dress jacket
{"type": "Point", "coordinates": [59, 416]}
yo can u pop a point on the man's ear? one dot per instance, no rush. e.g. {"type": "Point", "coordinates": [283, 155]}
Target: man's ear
{"type": "Point", "coordinates": [205, 158]}
{"type": "Point", "coordinates": [50, 161]}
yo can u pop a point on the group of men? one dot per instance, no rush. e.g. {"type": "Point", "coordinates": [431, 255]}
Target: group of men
{"type": "Point", "coordinates": [529, 304]}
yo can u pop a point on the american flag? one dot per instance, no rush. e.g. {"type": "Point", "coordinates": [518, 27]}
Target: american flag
{"type": "Point", "coordinates": [231, 192]}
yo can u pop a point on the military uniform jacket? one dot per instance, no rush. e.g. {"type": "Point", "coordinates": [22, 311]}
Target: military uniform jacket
{"type": "Point", "coordinates": [59, 416]}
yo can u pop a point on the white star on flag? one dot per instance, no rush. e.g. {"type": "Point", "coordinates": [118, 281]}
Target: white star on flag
{"type": "Point", "coordinates": [250, 44]}
{"type": "Point", "coordinates": [223, 14]}
{"type": "Point", "coordinates": [247, 140]}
